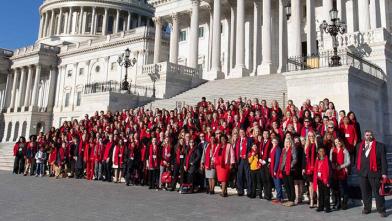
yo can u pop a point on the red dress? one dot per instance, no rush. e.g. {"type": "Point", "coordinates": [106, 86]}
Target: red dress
{"type": "Point", "coordinates": [222, 169]}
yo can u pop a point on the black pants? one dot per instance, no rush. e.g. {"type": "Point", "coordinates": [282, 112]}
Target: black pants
{"type": "Point", "coordinates": [243, 174]}
{"type": "Point", "coordinates": [323, 196]}
{"type": "Point", "coordinates": [19, 164]}
{"type": "Point", "coordinates": [288, 182]}
{"type": "Point", "coordinates": [33, 166]}
{"type": "Point", "coordinates": [153, 176]}
{"type": "Point", "coordinates": [178, 176]}
{"type": "Point", "coordinates": [267, 182]}
{"type": "Point", "coordinates": [107, 169]}
{"type": "Point", "coordinates": [130, 166]}
{"type": "Point", "coordinates": [255, 176]}
{"type": "Point", "coordinates": [340, 189]}
{"type": "Point", "coordinates": [368, 186]}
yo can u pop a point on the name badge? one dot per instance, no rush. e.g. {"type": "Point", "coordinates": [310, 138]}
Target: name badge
{"type": "Point", "coordinates": [168, 155]}
{"type": "Point", "coordinates": [269, 160]}
{"type": "Point", "coordinates": [319, 174]}
{"type": "Point", "coordinates": [132, 158]}
{"type": "Point", "coordinates": [20, 148]}
{"type": "Point", "coordinates": [154, 156]}
{"type": "Point", "coordinates": [181, 156]}
{"type": "Point", "coordinates": [347, 135]}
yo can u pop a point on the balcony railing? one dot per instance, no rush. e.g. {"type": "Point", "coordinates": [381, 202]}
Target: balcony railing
{"type": "Point", "coordinates": [114, 86]}
{"type": "Point", "coordinates": [323, 60]}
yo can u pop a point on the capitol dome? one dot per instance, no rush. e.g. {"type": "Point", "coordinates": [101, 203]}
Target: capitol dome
{"type": "Point", "coordinates": [71, 21]}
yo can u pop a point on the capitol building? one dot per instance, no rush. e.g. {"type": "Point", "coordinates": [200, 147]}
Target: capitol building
{"type": "Point", "coordinates": [178, 46]}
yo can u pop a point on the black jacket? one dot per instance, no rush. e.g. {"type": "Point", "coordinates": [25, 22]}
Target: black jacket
{"type": "Point", "coordinates": [382, 166]}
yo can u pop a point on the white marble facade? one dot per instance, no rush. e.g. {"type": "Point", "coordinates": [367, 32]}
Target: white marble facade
{"type": "Point", "coordinates": [79, 43]}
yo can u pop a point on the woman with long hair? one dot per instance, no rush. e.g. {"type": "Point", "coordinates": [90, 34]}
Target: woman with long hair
{"type": "Point", "coordinates": [340, 160]}
{"type": "Point", "coordinates": [310, 159]}
{"type": "Point", "coordinates": [208, 164]}
{"type": "Point", "coordinates": [287, 163]}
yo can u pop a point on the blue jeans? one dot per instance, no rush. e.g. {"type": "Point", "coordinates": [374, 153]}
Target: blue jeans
{"type": "Point", "coordinates": [40, 169]}
{"type": "Point", "coordinates": [243, 171]}
{"type": "Point", "coordinates": [278, 188]}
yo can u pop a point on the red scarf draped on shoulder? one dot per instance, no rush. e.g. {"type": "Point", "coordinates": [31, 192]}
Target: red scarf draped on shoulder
{"type": "Point", "coordinates": [210, 148]}
{"type": "Point", "coordinates": [372, 154]}
{"type": "Point", "coordinates": [188, 157]}
{"type": "Point", "coordinates": [244, 148]}
{"type": "Point", "coordinates": [265, 150]}
{"type": "Point", "coordinates": [272, 163]}
{"type": "Point", "coordinates": [287, 164]}
{"type": "Point", "coordinates": [322, 167]}
{"type": "Point", "coordinates": [153, 162]}
{"type": "Point", "coordinates": [338, 159]}
{"type": "Point", "coordinates": [310, 158]}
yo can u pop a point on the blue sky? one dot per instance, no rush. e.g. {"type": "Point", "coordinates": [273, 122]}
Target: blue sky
{"type": "Point", "coordinates": [19, 22]}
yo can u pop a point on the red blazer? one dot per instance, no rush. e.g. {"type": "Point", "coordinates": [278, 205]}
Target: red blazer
{"type": "Point", "coordinates": [16, 149]}
{"type": "Point", "coordinates": [118, 155]}
{"type": "Point", "coordinates": [350, 136]}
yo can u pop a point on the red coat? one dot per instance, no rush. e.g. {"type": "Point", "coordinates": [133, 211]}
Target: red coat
{"type": "Point", "coordinates": [98, 152]}
{"type": "Point", "coordinates": [350, 135]}
{"type": "Point", "coordinates": [118, 154]}
{"type": "Point", "coordinates": [18, 147]}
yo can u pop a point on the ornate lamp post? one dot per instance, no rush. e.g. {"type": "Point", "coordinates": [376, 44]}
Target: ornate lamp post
{"type": "Point", "coordinates": [123, 60]}
{"type": "Point", "coordinates": [334, 28]}
{"type": "Point", "coordinates": [154, 77]}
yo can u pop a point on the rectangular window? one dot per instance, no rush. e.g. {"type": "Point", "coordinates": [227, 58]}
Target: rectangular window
{"type": "Point", "coordinates": [81, 71]}
{"type": "Point", "coordinates": [113, 66]}
{"type": "Point", "coordinates": [66, 104]}
{"type": "Point", "coordinates": [201, 32]}
{"type": "Point", "coordinates": [69, 73]}
{"type": "Point", "coordinates": [183, 36]}
{"type": "Point", "coordinates": [78, 98]}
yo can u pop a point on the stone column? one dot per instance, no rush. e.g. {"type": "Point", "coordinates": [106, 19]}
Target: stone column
{"type": "Point", "coordinates": [239, 69]}
{"type": "Point", "coordinates": [58, 84]}
{"type": "Point", "coordinates": [232, 36]}
{"type": "Point", "coordinates": [296, 24]}
{"type": "Point", "coordinates": [210, 32]}
{"type": "Point", "coordinates": [52, 82]}
{"type": "Point", "coordinates": [22, 87]}
{"type": "Point", "coordinates": [311, 27]}
{"type": "Point", "coordinates": [51, 24]}
{"type": "Point", "coordinates": [13, 91]}
{"type": "Point", "coordinates": [282, 37]}
{"type": "Point", "coordinates": [117, 21]}
{"type": "Point", "coordinates": [256, 35]}
{"type": "Point", "coordinates": [28, 88]}
{"type": "Point", "coordinates": [364, 15]}
{"type": "Point", "coordinates": [81, 30]}
{"type": "Point", "coordinates": [59, 21]}
{"type": "Point", "coordinates": [216, 42]}
{"type": "Point", "coordinates": [374, 15]}
{"type": "Point", "coordinates": [69, 23]}
{"type": "Point", "coordinates": [194, 35]}
{"type": "Point", "coordinates": [266, 66]}
{"type": "Point", "coordinates": [41, 26]}
{"type": "Point", "coordinates": [45, 29]}
{"type": "Point", "coordinates": [384, 14]}
{"type": "Point", "coordinates": [173, 58]}
{"type": "Point", "coordinates": [340, 6]}
{"type": "Point", "coordinates": [105, 22]}
{"type": "Point", "coordinates": [129, 20]}
{"type": "Point", "coordinates": [158, 39]}
{"type": "Point", "coordinates": [93, 23]}
{"type": "Point", "coordinates": [139, 20]}
{"type": "Point", "coordinates": [37, 78]}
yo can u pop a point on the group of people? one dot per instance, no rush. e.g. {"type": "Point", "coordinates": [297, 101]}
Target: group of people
{"type": "Point", "coordinates": [242, 143]}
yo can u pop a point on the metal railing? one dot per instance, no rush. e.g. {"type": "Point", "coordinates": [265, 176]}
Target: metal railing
{"type": "Point", "coordinates": [323, 60]}
{"type": "Point", "coordinates": [114, 86]}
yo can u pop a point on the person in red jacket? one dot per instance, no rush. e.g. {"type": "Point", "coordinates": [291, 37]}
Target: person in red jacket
{"type": "Point", "coordinates": [153, 164]}
{"type": "Point", "coordinates": [310, 160]}
{"type": "Point", "coordinates": [89, 158]}
{"type": "Point", "coordinates": [107, 159]}
{"type": "Point", "coordinates": [19, 154]}
{"type": "Point", "coordinates": [321, 180]}
{"type": "Point", "coordinates": [118, 154]}
{"type": "Point", "coordinates": [350, 134]}
{"type": "Point", "coordinates": [98, 157]}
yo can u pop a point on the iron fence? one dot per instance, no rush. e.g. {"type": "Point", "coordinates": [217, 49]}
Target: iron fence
{"type": "Point", "coordinates": [114, 86]}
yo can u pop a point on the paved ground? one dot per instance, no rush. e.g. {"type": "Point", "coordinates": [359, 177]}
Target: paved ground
{"type": "Point", "coordinates": [37, 199]}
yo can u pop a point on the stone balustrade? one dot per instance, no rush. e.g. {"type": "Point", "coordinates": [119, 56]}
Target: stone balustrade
{"type": "Point", "coordinates": [169, 69]}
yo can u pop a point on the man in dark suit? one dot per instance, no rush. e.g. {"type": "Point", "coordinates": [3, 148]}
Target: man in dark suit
{"type": "Point", "coordinates": [242, 148]}
{"type": "Point", "coordinates": [192, 163]}
{"type": "Point", "coordinates": [371, 164]}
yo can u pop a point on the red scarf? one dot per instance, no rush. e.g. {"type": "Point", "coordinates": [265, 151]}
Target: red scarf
{"type": "Point", "coordinates": [272, 157]}
{"type": "Point", "coordinates": [179, 152]}
{"type": "Point", "coordinates": [373, 159]}
{"type": "Point", "coordinates": [265, 149]}
{"type": "Point", "coordinates": [287, 164]}
{"type": "Point", "coordinates": [244, 148]}
{"type": "Point", "coordinates": [321, 168]}
{"type": "Point", "coordinates": [153, 162]}
{"type": "Point", "coordinates": [221, 155]}
{"type": "Point", "coordinates": [207, 162]}
{"type": "Point", "coordinates": [188, 157]}
{"type": "Point", "coordinates": [338, 159]}
{"type": "Point", "coordinates": [310, 158]}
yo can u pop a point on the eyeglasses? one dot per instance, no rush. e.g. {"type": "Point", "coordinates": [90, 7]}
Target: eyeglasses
{"type": "Point", "coordinates": [330, 127]}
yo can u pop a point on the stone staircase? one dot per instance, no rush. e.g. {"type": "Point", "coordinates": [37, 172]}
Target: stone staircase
{"type": "Point", "coordinates": [268, 87]}
{"type": "Point", "coordinates": [6, 156]}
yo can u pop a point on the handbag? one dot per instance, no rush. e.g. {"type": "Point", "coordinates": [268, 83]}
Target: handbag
{"type": "Point", "coordinates": [386, 187]}
{"type": "Point", "coordinates": [166, 177]}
